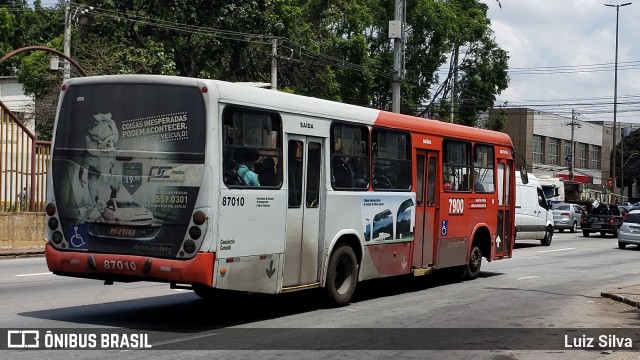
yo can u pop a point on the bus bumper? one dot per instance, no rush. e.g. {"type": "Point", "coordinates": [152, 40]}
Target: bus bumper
{"type": "Point", "coordinates": [129, 268]}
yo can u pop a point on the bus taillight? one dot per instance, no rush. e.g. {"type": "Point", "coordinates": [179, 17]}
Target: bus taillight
{"type": "Point", "coordinates": [195, 232]}
{"type": "Point", "coordinates": [50, 209]}
{"type": "Point", "coordinates": [189, 246]}
{"type": "Point", "coordinates": [56, 237]}
{"type": "Point", "coordinates": [53, 223]}
{"type": "Point", "coordinates": [199, 218]}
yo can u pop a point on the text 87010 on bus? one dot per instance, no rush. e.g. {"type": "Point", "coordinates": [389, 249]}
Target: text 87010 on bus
{"type": "Point", "coordinates": [226, 188]}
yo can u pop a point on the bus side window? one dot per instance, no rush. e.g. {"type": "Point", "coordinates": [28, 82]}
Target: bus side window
{"type": "Point", "coordinates": [457, 164]}
{"type": "Point", "coordinates": [391, 159]}
{"type": "Point", "coordinates": [349, 157]}
{"type": "Point", "coordinates": [294, 180]}
{"type": "Point", "coordinates": [483, 165]}
{"type": "Point", "coordinates": [249, 131]}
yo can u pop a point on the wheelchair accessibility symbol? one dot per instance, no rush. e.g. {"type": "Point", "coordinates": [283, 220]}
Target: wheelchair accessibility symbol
{"type": "Point", "coordinates": [444, 227]}
{"type": "Point", "coordinates": [79, 234]}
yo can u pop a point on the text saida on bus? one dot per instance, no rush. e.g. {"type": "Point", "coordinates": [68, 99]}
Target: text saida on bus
{"type": "Point", "coordinates": [225, 188]}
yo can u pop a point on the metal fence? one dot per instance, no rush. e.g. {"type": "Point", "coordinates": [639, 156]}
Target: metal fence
{"type": "Point", "coordinates": [23, 165]}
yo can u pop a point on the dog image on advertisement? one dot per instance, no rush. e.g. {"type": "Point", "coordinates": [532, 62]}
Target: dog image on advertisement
{"type": "Point", "coordinates": [99, 162]}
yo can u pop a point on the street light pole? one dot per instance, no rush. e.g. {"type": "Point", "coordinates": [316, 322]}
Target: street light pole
{"type": "Point", "coordinates": [615, 97]}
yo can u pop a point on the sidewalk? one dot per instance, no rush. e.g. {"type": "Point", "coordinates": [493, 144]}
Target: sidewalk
{"type": "Point", "coordinates": [20, 253]}
{"type": "Point", "coordinates": [629, 294]}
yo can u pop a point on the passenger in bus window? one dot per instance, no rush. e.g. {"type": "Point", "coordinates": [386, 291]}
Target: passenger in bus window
{"type": "Point", "coordinates": [465, 183]}
{"type": "Point", "coordinates": [267, 175]}
{"type": "Point", "coordinates": [359, 173]}
{"type": "Point", "coordinates": [478, 184]}
{"type": "Point", "coordinates": [247, 158]}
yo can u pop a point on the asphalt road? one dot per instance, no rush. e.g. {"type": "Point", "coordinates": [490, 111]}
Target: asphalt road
{"type": "Point", "coordinates": [541, 287]}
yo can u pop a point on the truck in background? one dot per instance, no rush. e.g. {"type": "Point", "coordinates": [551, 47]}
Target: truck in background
{"type": "Point", "coordinates": [553, 188]}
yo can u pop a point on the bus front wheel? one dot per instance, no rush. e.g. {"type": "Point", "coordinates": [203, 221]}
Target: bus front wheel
{"type": "Point", "coordinates": [342, 275]}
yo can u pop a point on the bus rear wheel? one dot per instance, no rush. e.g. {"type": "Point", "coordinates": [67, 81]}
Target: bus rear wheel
{"type": "Point", "coordinates": [342, 275]}
{"type": "Point", "coordinates": [472, 269]}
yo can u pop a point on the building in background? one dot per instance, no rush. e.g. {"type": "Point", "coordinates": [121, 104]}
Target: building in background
{"type": "Point", "coordinates": [12, 95]}
{"type": "Point", "coordinates": [544, 143]}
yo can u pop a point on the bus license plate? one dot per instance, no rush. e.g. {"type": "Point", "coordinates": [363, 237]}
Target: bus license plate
{"type": "Point", "coordinates": [122, 231]}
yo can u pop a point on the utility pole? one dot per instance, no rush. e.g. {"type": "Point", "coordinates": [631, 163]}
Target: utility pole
{"type": "Point", "coordinates": [67, 41]}
{"type": "Point", "coordinates": [396, 32]}
{"type": "Point", "coordinates": [622, 163]}
{"type": "Point", "coordinates": [455, 79]}
{"type": "Point", "coordinates": [571, 156]}
{"type": "Point", "coordinates": [274, 64]}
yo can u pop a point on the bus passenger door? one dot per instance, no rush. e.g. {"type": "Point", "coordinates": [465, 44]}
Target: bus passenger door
{"type": "Point", "coordinates": [426, 206]}
{"type": "Point", "coordinates": [305, 202]}
{"type": "Point", "coordinates": [505, 235]}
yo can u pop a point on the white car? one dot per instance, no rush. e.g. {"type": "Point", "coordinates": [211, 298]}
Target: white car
{"type": "Point", "coordinates": [629, 231]}
{"type": "Point", "coordinates": [127, 212]}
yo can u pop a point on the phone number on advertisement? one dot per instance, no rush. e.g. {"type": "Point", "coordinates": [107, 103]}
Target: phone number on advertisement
{"type": "Point", "coordinates": [171, 199]}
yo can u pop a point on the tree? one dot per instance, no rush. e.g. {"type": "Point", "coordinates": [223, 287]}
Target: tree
{"type": "Point", "coordinates": [336, 50]}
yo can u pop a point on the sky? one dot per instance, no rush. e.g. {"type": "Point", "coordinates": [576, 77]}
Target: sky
{"type": "Point", "coordinates": [562, 56]}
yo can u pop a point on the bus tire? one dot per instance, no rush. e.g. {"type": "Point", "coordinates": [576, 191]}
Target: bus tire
{"type": "Point", "coordinates": [342, 275]}
{"type": "Point", "coordinates": [472, 269]}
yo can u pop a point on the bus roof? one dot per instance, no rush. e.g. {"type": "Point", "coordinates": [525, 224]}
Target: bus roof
{"type": "Point", "coordinates": [441, 128]}
{"type": "Point", "coordinates": [243, 94]}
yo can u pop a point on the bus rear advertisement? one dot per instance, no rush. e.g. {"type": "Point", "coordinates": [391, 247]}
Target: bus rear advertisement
{"type": "Point", "coordinates": [225, 188]}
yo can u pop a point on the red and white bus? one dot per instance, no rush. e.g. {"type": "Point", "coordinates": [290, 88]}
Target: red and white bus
{"type": "Point", "coordinates": [225, 188]}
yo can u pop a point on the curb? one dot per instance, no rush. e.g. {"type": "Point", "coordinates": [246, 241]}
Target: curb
{"type": "Point", "coordinates": [620, 298]}
{"type": "Point", "coordinates": [15, 254]}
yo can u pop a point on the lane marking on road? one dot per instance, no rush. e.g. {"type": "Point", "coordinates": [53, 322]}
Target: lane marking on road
{"type": "Point", "coordinates": [36, 274]}
{"type": "Point", "coordinates": [564, 249]}
{"type": "Point", "coordinates": [528, 277]}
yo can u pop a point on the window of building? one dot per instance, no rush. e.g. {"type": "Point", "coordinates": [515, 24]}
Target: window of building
{"type": "Point", "coordinates": [483, 168]}
{"type": "Point", "coordinates": [391, 155]}
{"type": "Point", "coordinates": [349, 157]}
{"type": "Point", "coordinates": [456, 165]}
{"type": "Point", "coordinates": [538, 153]}
{"type": "Point", "coordinates": [582, 155]}
{"type": "Point", "coordinates": [252, 152]}
{"type": "Point", "coordinates": [554, 151]}
{"type": "Point", "coordinates": [595, 157]}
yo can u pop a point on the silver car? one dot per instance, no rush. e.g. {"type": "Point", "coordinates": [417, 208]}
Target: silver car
{"type": "Point", "coordinates": [566, 216]}
{"type": "Point", "coordinates": [629, 232]}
